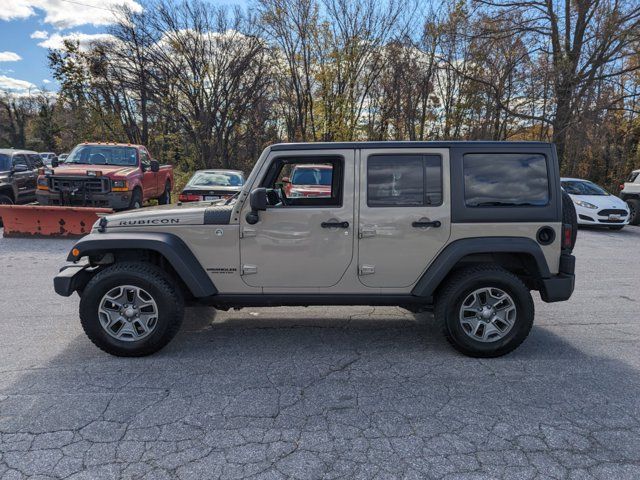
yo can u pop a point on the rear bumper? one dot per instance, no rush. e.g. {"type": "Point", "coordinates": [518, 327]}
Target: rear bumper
{"type": "Point", "coordinates": [71, 278]}
{"type": "Point", "coordinates": [115, 200]}
{"type": "Point", "coordinates": [560, 287]}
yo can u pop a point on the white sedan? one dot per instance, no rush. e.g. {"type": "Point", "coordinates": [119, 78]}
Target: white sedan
{"type": "Point", "coordinates": [594, 205]}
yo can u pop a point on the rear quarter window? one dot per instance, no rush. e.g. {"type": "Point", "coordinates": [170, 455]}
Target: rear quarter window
{"type": "Point", "coordinates": [505, 179]}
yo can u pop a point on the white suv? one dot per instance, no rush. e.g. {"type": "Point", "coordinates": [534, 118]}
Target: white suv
{"type": "Point", "coordinates": [630, 193]}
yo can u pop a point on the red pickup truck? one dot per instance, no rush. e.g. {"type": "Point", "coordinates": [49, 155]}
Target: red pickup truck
{"type": "Point", "coordinates": [115, 175]}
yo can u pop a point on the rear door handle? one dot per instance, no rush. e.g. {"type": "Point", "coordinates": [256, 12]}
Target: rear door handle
{"type": "Point", "coordinates": [334, 224]}
{"type": "Point", "coordinates": [434, 224]}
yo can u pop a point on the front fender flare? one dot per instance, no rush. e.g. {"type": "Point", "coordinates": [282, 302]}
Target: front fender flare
{"type": "Point", "coordinates": [170, 246]}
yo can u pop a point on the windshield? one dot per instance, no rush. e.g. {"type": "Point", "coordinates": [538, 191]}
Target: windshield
{"type": "Point", "coordinates": [577, 187]}
{"type": "Point", "coordinates": [103, 155]}
{"type": "Point", "coordinates": [5, 162]}
{"type": "Point", "coordinates": [216, 179]}
{"type": "Point", "coordinates": [311, 176]}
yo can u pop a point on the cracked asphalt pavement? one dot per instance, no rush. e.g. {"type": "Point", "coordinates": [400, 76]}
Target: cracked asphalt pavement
{"type": "Point", "coordinates": [323, 392]}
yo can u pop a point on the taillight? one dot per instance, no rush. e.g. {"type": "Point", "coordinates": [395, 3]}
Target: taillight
{"type": "Point", "coordinates": [621, 186]}
{"type": "Point", "coordinates": [567, 234]}
{"type": "Point", "coordinates": [189, 197]}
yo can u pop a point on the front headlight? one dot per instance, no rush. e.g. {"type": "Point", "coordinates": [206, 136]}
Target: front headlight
{"type": "Point", "coordinates": [584, 204]}
{"type": "Point", "coordinates": [119, 185]}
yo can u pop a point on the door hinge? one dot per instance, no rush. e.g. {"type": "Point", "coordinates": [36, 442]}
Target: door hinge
{"type": "Point", "coordinates": [367, 269]}
{"type": "Point", "coordinates": [367, 232]}
{"type": "Point", "coordinates": [249, 269]}
{"type": "Point", "coordinates": [248, 232]}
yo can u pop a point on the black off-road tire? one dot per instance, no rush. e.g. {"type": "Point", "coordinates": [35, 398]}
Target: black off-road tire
{"type": "Point", "coordinates": [449, 301]}
{"type": "Point", "coordinates": [5, 200]}
{"type": "Point", "coordinates": [634, 207]}
{"type": "Point", "coordinates": [165, 198]}
{"type": "Point", "coordinates": [152, 279]}
{"type": "Point", "coordinates": [569, 216]}
{"type": "Point", "coordinates": [136, 199]}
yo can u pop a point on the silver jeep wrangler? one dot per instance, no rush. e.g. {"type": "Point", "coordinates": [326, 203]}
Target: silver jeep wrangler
{"type": "Point", "coordinates": [465, 229]}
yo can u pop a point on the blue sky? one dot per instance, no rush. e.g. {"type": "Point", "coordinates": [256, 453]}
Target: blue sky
{"type": "Point", "coordinates": [28, 28]}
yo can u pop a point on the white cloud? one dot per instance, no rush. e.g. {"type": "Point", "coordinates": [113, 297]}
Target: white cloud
{"type": "Point", "coordinates": [40, 34]}
{"type": "Point", "coordinates": [67, 14]}
{"type": "Point", "coordinates": [56, 41]}
{"type": "Point", "coordinates": [46, 80]}
{"type": "Point", "coordinates": [9, 57]}
{"type": "Point", "coordinates": [12, 9]}
{"type": "Point", "coordinates": [14, 85]}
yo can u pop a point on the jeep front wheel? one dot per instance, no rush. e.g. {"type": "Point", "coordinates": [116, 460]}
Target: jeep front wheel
{"type": "Point", "coordinates": [484, 311]}
{"type": "Point", "coordinates": [131, 309]}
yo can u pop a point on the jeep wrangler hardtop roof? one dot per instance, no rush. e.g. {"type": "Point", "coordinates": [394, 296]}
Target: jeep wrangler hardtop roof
{"type": "Point", "coordinates": [396, 144]}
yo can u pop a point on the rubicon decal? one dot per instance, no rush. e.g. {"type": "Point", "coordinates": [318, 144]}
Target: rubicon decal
{"type": "Point", "coordinates": [150, 221]}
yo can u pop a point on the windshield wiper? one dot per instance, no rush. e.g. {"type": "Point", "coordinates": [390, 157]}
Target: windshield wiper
{"type": "Point", "coordinates": [228, 201]}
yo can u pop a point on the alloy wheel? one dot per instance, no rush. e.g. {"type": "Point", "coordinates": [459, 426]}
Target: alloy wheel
{"type": "Point", "coordinates": [487, 314]}
{"type": "Point", "coordinates": [128, 313]}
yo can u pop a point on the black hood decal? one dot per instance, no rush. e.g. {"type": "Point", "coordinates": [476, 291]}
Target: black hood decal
{"type": "Point", "coordinates": [218, 215]}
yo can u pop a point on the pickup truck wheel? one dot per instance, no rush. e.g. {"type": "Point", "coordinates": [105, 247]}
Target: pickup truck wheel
{"type": "Point", "coordinates": [136, 199]}
{"type": "Point", "coordinates": [131, 309]}
{"type": "Point", "coordinates": [634, 207]}
{"type": "Point", "coordinates": [484, 311]}
{"type": "Point", "coordinates": [165, 198]}
{"type": "Point", "coordinates": [5, 200]}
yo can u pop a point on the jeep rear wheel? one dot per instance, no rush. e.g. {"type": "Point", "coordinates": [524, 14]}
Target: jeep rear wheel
{"type": "Point", "coordinates": [484, 311]}
{"type": "Point", "coordinates": [131, 309]}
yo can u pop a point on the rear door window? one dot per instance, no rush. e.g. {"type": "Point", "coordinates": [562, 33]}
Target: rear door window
{"type": "Point", "coordinates": [505, 180]}
{"type": "Point", "coordinates": [404, 180]}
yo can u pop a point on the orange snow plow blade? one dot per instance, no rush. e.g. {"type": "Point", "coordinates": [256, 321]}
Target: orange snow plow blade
{"type": "Point", "coordinates": [40, 221]}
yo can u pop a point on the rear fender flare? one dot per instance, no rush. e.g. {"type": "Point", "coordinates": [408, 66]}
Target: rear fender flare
{"type": "Point", "coordinates": [447, 260]}
{"type": "Point", "coordinates": [170, 246]}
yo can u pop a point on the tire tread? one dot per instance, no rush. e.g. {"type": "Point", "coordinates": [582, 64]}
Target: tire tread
{"type": "Point", "coordinates": [152, 274]}
{"type": "Point", "coordinates": [448, 290]}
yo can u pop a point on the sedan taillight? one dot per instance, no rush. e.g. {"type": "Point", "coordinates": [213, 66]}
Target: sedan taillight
{"type": "Point", "coordinates": [189, 197]}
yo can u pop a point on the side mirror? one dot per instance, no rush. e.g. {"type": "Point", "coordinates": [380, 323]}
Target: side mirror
{"type": "Point", "coordinates": [19, 168]}
{"type": "Point", "coordinates": [258, 199]}
{"type": "Point", "coordinates": [55, 163]}
{"type": "Point", "coordinates": [258, 202]}
{"type": "Point", "coordinates": [155, 166]}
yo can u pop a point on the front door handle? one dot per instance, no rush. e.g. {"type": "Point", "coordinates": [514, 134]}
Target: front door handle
{"type": "Point", "coordinates": [434, 224]}
{"type": "Point", "coordinates": [334, 224]}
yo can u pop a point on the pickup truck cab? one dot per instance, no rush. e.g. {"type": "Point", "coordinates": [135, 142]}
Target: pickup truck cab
{"type": "Point", "coordinates": [120, 176]}
{"type": "Point", "coordinates": [464, 229]}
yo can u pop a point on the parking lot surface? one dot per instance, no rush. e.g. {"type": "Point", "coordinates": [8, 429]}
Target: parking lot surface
{"type": "Point", "coordinates": [323, 392]}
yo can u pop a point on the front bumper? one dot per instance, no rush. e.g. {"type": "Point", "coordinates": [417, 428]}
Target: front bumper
{"type": "Point", "coordinates": [71, 278]}
{"type": "Point", "coordinates": [560, 287]}
{"type": "Point", "coordinates": [589, 216]}
{"type": "Point", "coordinates": [115, 200]}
